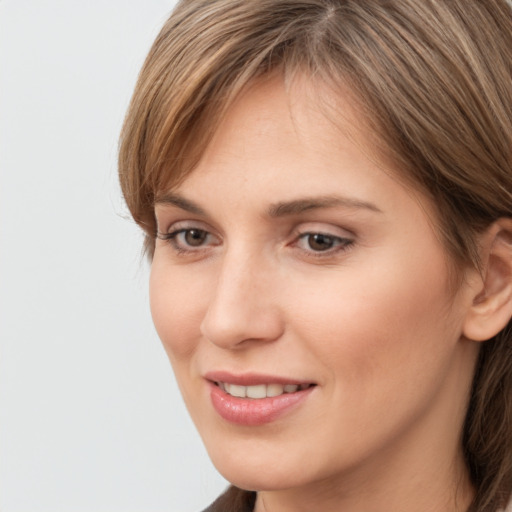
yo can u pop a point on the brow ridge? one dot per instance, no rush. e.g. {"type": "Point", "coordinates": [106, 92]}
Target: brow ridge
{"type": "Point", "coordinates": [301, 205]}
{"type": "Point", "coordinates": [180, 202]}
{"type": "Point", "coordinates": [280, 209]}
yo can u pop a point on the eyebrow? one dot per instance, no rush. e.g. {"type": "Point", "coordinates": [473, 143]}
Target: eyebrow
{"type": "Point", "coordinates": [280, 209]}
{"type": "Point", "coordinates": [297, 206]}
{"type": "Point", "coordinates": [180, 202]}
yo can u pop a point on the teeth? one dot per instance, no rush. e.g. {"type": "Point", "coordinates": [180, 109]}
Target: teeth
{"type": "Point", "coordinates": [235, 390]}
{"type": "Point", "coordinates": [256, 391]}
{"type": "Point", "coordinates": [261, 390]}
{"type": "Point", "coordinates": [275, 390]}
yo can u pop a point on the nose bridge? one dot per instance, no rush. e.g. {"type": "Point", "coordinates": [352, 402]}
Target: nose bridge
{"type": "Point", "coordinates": [237, 281]}
{"type": "Point", "coordinates": [241, 306]}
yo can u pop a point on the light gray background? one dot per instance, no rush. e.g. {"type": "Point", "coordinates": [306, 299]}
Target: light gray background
{"type": "Point", "coordinates": [90, 416]}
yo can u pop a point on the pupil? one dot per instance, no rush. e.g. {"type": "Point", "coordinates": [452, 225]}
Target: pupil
{"type": "Point", "coordinates": [195, 237]}
{"type": "Point", "coordinates": [319, 242]}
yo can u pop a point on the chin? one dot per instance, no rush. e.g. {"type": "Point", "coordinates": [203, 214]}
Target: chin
{"type": "Point", "coordinates": [251, 480]}
{"type": "Point", "coordinates": [260, 470]}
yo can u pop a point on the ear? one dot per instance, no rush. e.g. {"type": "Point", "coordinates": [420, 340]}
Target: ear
{"type": "Point", "coordinates": [491, 309]}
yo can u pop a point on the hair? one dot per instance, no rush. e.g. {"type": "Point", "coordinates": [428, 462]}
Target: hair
{"type": "Point", "coordinates": [433, 80]}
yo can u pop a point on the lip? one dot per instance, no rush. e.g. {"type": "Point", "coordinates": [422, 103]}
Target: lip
{"type": "Point", "coordinates": [252, 379]}
{"type": "Point", "coordinates": [254, 412]}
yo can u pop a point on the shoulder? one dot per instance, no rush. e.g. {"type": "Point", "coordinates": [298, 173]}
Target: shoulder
{"type": "Point", "coordinates": [234, 500]}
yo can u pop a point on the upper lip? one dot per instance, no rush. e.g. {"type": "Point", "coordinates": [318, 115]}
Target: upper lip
{"type": "Point", "coordinates": [252, 379]}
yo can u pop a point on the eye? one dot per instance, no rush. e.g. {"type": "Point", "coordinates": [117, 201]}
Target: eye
{"type": "Point", "coordinates": [189, 239]}
{"type": "Point", "coordinates": [193, 237]}
{"type": "Point", "coordinates": [322, 242]}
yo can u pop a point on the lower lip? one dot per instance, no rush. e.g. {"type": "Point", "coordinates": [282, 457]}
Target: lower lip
{"type": "Point", "coordinates": [254, 412]}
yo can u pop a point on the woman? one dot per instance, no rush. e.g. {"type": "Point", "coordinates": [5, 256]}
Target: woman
{"type": "Point", "coordinates": [326, 192]}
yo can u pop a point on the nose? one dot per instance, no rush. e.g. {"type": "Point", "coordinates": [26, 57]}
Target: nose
{"type": "Point", "coordinates": [243, 306]}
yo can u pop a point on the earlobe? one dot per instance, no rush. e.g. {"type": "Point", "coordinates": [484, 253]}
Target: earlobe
{"type": "Point", "coordinates": [491, 309]}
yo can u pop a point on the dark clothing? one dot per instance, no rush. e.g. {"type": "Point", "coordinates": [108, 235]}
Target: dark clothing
{"type": "Point", "coordinates": [233, 500]}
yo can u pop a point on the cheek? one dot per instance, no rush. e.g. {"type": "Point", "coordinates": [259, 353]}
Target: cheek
{"type": "Point", "coordinates": [176, 308]}
{"type": "Point", "coordinates": [390, 317]}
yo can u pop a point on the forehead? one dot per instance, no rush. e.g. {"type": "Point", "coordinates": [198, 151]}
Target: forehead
{"type": "Point", "coordinates": [292, 141]}
{"type": "Point", "coordinates": [284, 123]}
{"type": "Point", "coordinates": [274, 103]}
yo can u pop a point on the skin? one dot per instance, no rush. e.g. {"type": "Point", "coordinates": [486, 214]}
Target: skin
{"type": "Point", "coordinates": [372, 320]}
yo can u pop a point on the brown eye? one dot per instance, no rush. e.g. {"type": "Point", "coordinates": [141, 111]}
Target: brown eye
{"type": "Point", "coordinates": [316, 243]}
{"type": "Point", "coordinates": [321, 242]}
{"type": "Point", "coordinates": [195, 237]}
{"type": "Point", "coordinates": [190, 240]}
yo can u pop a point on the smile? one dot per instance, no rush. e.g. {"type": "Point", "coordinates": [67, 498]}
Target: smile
{"type": "Point", "coordinates": [249, 401]}
{"type": "Point", "coordinates": [261, 390]}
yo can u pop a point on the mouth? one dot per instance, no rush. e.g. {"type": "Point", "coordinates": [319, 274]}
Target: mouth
{"type": "Point", "coordinates": [255, 399]}
{"type": "Point", "coordinates": [260, 391]}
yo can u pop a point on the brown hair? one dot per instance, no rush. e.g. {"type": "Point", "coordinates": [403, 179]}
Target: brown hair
{"type": "Point", "coordinates": [434, 81]}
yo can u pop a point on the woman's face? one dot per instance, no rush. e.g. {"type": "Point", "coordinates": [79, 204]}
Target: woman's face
{"type": "Point", "coordinates": [291, 257]}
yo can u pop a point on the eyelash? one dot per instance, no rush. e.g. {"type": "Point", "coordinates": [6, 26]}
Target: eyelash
{"type": "Point", "coordinates": [340, 244]}
{"type": "Point", "coordinates": [172, 238]}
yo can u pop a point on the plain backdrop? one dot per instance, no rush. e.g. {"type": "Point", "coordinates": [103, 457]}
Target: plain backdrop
{"type": "Point", "coordinates": [90, 416]}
